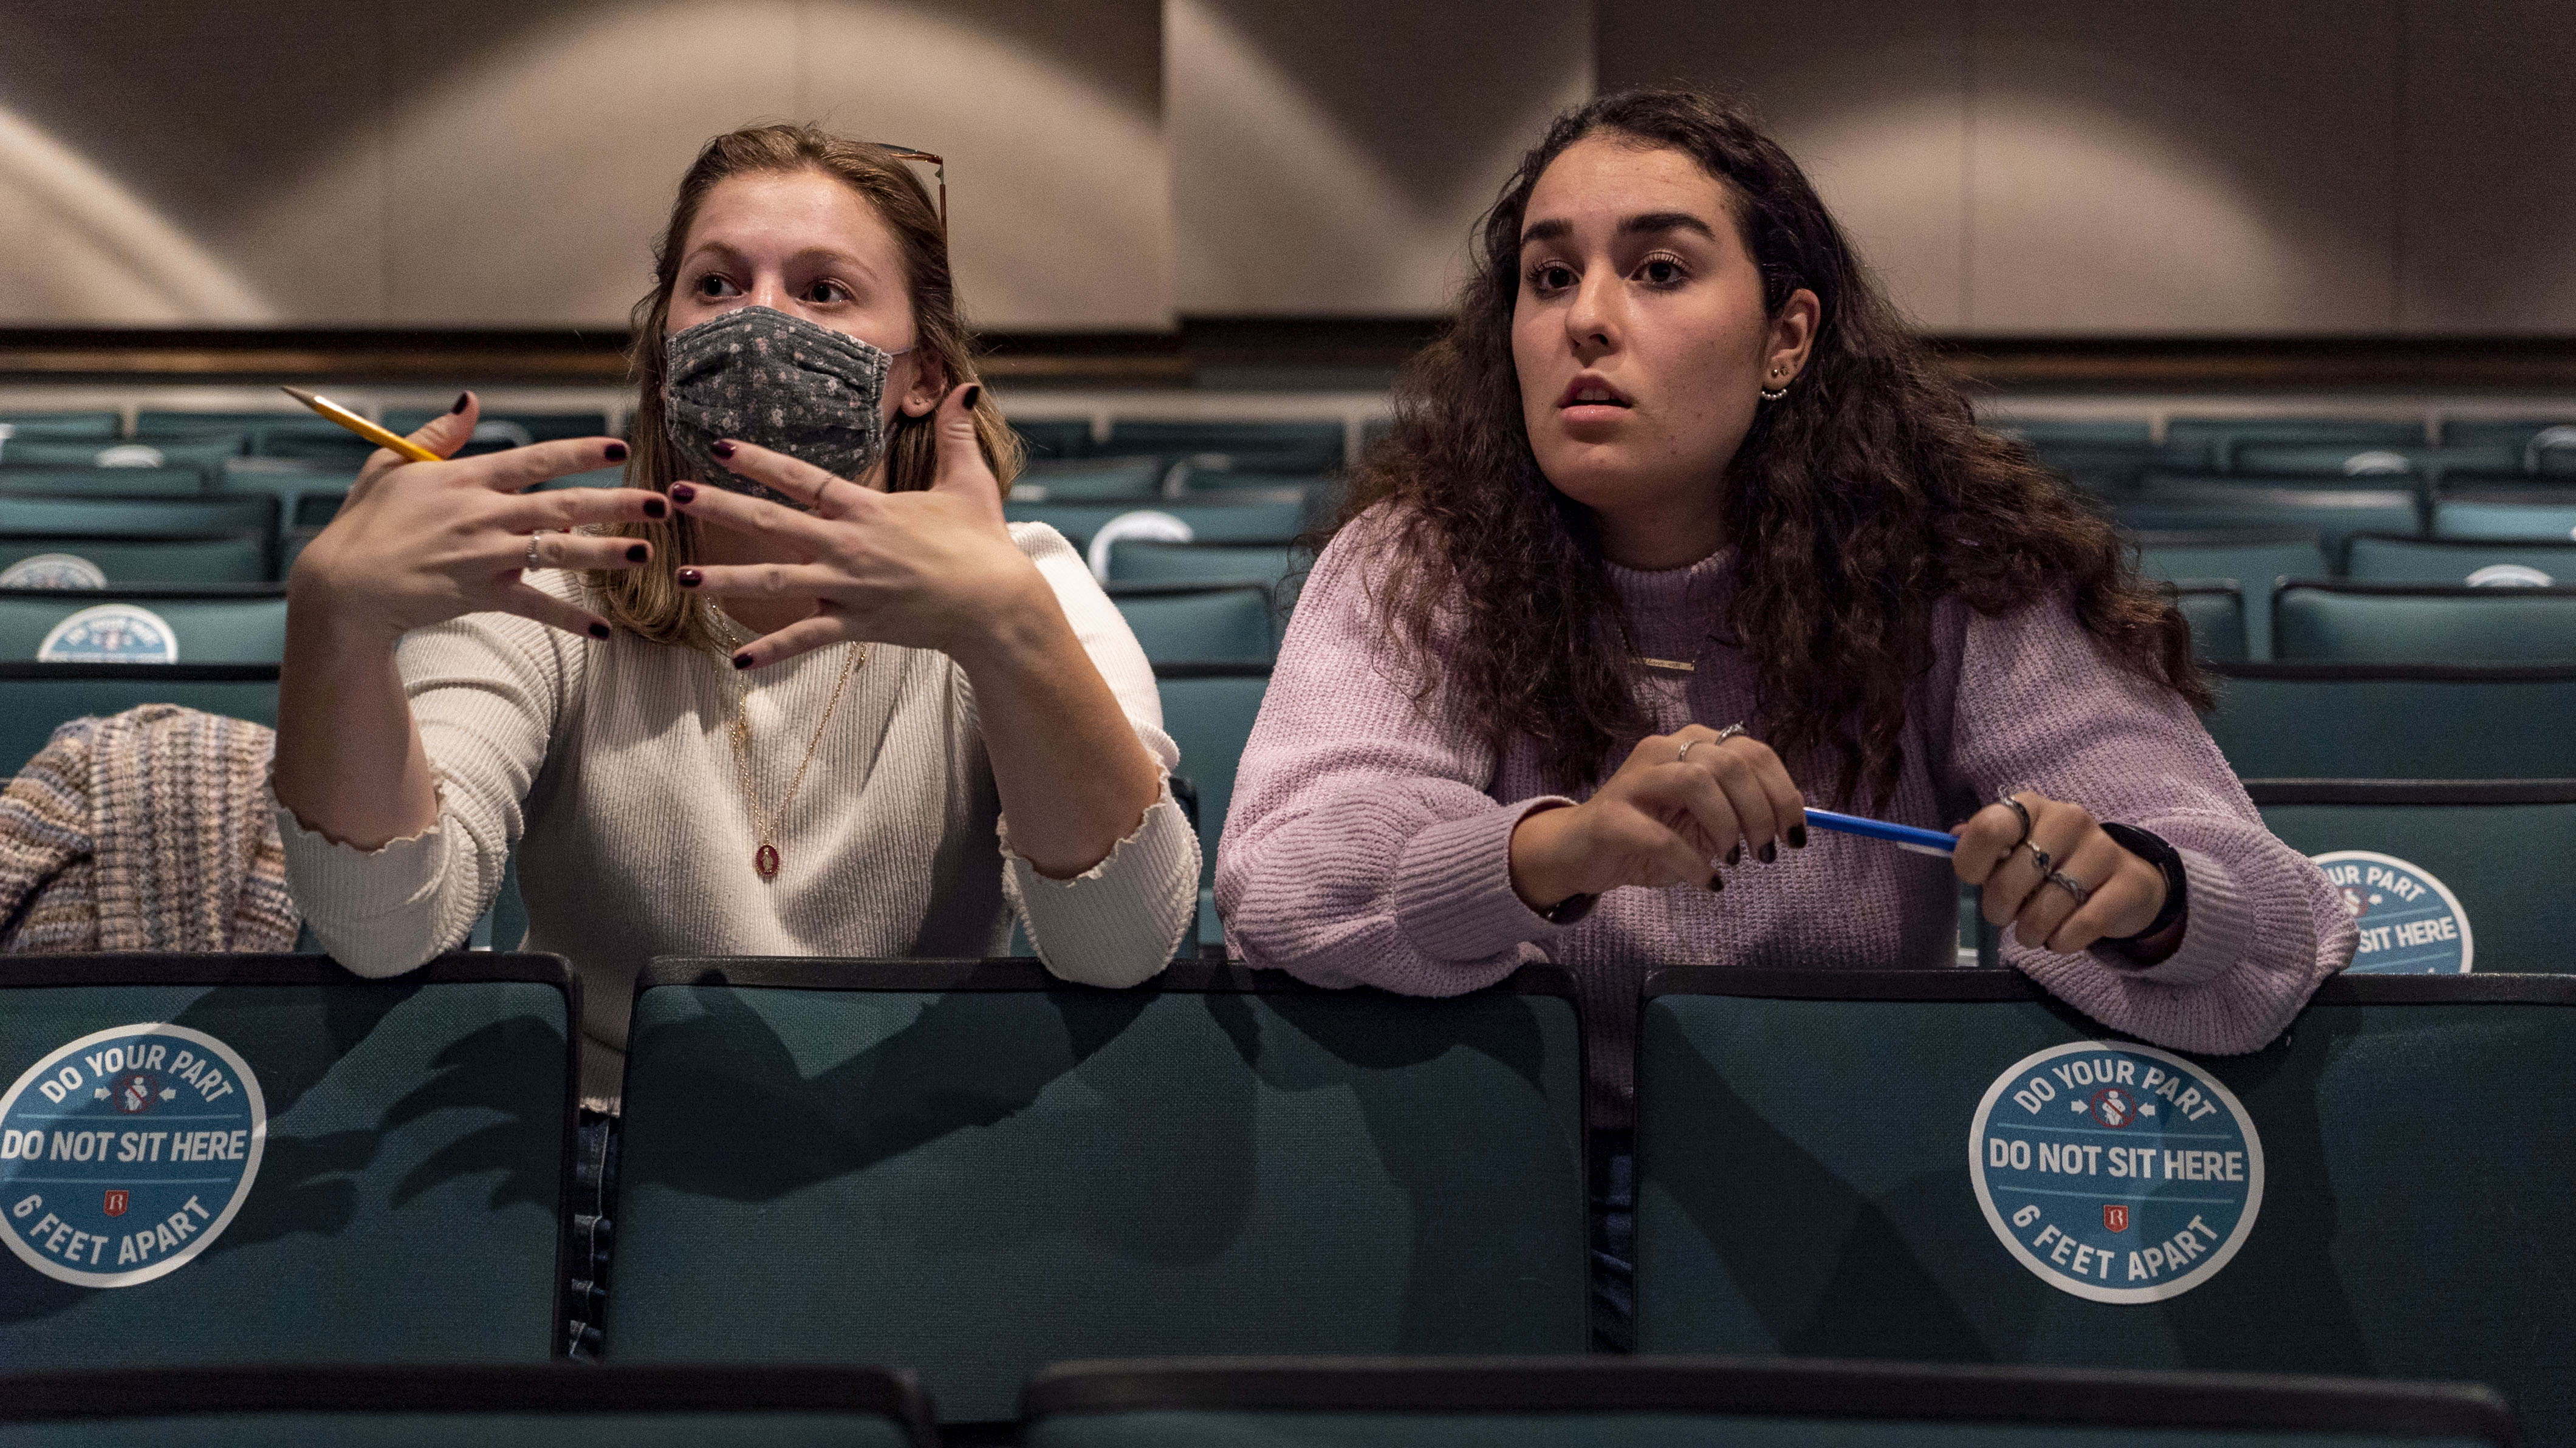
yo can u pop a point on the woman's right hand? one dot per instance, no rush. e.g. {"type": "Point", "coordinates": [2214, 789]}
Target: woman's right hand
{"type": "Point", "coordinates": [421, 543]}
{"type": "Point", "coordinates": [1683, 804]}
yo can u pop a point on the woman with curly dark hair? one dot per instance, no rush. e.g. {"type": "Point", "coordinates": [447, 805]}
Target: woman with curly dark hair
{"type": "Point", "coordinates": [1679, 526]}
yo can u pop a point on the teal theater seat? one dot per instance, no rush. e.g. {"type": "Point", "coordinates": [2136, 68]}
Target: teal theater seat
{"type": "Point", "coordinates": [2216, 612]}
{"type": "Point", "coordinates": [1054, 437]}
{"type": "Point", "coordinates": [2423, 623]}
{"type": "Point", "coordinates": [1273, 565]}
{"type": "Point", "coordinates": [491, 1407]}
{"type": "Point", "coordinates": [969, 1170]}
{"type": "Point", "coordinates": [2523, 513]}
{"type": "Point", "coordinates": [144, 625]}
{"type": "Point", "coordinates": [1698, 1402]}
{"type": "Point", "coordinates": [85, 481]}
{"type": "Point", "coordinates": [34, 698]}
{"type": "Point", "coordinates": [370, 1171]}
{"type": "Point", "coordinates": [1195, 623]}
{"type": "Point", "coordinates": [1209, 710]}
{"type": "Point", "coordinates": [2494, 854]}
{"type": "Point", "coordinates": [521, 427]}
{"type": "Point", "coordinates": [1953, 1166]}
{"type": "Point", "coordinates": [2396, 721]}
{"type": "Point", "coordinates": [2256, 559]}
{"type": "Point", "coordinates": [2223, 437]}
{"type": "Point", "coordinates": [2483, 563]}
{"type": "Point", "coordinates": [1267, 447]}
{"type": "Point", "coordinates": [2329, 466]}
{"type": "Point", "coordinates": [208, 560]}
{"type": "Point", "coordinates": [2516, 434]}
{"type": "Point", "coordinates": [102, 426]}
{"type": "Point", "coordinates": [1135, 482]}
{"type": "Point", "coordinates": [1264, 519]}
{"type": "Point", "coordinates": [137, 517]}
{"type": "Point", "coordinates": [2332, 515]}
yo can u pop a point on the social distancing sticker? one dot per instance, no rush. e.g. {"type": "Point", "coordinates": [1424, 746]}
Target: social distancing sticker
{"type": "Point", "coordinates": [111, 633]}
{"type": "Point", "coordinates": [2410, 922]}
{"type": "Point", "coordinates": [53, 570]}
{"type": "Point", "coordinates": [2116, 1172]}
{"type": "Point", "coordinates": [124, 1154]}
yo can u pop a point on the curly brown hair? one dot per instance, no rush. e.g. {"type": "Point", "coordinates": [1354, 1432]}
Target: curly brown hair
{"type": "Point", "coordinates": [1855, 502]}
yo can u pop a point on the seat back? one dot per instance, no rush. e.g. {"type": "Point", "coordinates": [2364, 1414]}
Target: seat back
{"type": "Point", "coordinates": [138, 517]}
{"type": "Point", "coordinates": [2223, 437]}
{"type": "Point", "coordinates": [492, 1406]}
{"type": "Point", "coordinates": [2332, 515]}
{"type": "Point", "coordinates": [2523, 513]}
{"type": "Point", "coordinates": [75, 426]}
{"type": "Point", "coordinates": [34, 698]}
{"type": "Point", "coordinates": [971, 1169]}
{"type": "Point", "coordinates": [2396, 721]}
{"type": "Point", "coordinates": [2330, 464]}
{"type": "Point", "coordinates": [2444, 876]}
{"type": "Point", "coordinates": [1261, 518]}
{"type": "Point", "coordinates": [144, 625]}
{"type": "Point", "coordinates": [2401, 623]}
{"type": "Point", "coordinates": [62, 479]}
{"type": "Point", "coordinates": [1271, 447]}
{"type": "Point", "coordinates": [2481, 563]}
{"type": "Point", "coordinates": [252, 1158]}
{"type": "Point", "coordinates": [2514, 434]}
{"type": "Point", "coordinates": [1054, 437]}
{"type": "Point", "coordinates": [1209, 710]}
{"type": "Point", "coordinates": [1133, 481]}
{"type": "Point", "coordinates": [2254, 559]}
{"type": "Point", "coordinates": [2216, 612]}
{"type": "Point", "coordinates": [1196, 623]}
{"type": "Point", "coordinates": [1144, 561]}
{"type": "Point", "coordinates": [1982, 1175]}
{"type": "Point", "coordinates": [1727, 1403]}
{"type": "Point", "coordinates": [89, 560]}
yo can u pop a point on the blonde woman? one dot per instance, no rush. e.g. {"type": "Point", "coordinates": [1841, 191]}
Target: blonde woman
{"type": "Point", "coordinates": [797, 690]}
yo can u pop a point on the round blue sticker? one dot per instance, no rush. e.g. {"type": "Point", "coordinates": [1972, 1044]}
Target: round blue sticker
{"type": "Point", "coordinates": [111, 633]}
{"type": "Point", "coordinates": [2116, 1172]}
{"type": "Point", "coordinates": [124, 1153]}
{"type": "Point", "coordinates": [2410, 922]}
{"type": "Point", "coordinates": [53, 570]}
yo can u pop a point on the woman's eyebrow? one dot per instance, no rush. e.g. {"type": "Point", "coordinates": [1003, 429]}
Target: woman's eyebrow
{"type": "Point", "coordinates": [1550, 230]}
{"type": "Point", "coordinates": [1665, 221]}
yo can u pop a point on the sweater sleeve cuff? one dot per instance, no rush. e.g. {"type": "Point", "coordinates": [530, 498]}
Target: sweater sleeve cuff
{"type": "Point", "coordinates": [1119, 922]}
{"type": "Point", "coordinates": [379, 912]}
{"type": "Point", "coordinates": [2219, 922]}
{"type": "Point", "coordinates": [1453, 887]}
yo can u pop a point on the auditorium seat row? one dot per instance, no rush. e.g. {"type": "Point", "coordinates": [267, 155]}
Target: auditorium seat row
{"type": "Point", "coordinates": [969, 1170]}
{"type": "Point", "coordinates": [1670, 1402]}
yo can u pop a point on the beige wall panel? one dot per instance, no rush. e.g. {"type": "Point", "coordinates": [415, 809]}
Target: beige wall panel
{"type": "Point", "coordinates": [170, 161]}
{"type": "Point", "coordinates": [533, 165]}
{"type": "Point", "coordinates": [1870, 96]}
{"type": "Point", "coordinates": [1330, 157]}
{"type": "Point", "coordinates": [1050, 116]}
{"type": "Point", "coordinates": [2489, 168]}
{"type": "Point", "coordinates": [2189, 166]}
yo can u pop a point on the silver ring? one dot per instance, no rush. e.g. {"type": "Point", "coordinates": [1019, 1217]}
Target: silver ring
{"type": "Point", "coordinates": [2071, 886]}
{"type": "Point", "coordinates": [1729, 732]}
{"type": "Point", "coordinates": [532, 562]}
{"type": "Point", "coordinates": [1686, 749]}
{"type": "Point", "coordinates": [2017, 807]}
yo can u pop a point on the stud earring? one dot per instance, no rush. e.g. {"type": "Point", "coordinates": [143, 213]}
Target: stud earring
{"type": "Point", "coordinates": [1774, 394]}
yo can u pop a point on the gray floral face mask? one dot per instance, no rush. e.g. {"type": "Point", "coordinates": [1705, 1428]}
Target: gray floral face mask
{"type": "Point", "coordinates": [760, 376]}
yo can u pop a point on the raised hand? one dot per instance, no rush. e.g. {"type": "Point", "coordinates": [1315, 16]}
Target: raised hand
{"type": "Point", "coordinates": [2121, 894]}
{"type": "Point", "coordinates": [934, 569]}
{"type": "Point", "coordinates": [422, 543]}
{"type": "Point", "coordinates": [1683, 804]}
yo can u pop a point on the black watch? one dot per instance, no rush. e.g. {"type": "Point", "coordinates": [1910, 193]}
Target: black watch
{"type": "Point", "coordinates": [2152, 849]}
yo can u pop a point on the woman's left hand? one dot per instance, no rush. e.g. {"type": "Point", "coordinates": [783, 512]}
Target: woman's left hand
{"type": "Point", "coordinates": [2124, 894]}
{"type": "Point", "coordinates": [934, 569]}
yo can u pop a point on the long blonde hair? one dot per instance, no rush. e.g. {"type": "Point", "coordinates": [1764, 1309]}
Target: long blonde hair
{"type": "Point", "coordinates": [648, 600]}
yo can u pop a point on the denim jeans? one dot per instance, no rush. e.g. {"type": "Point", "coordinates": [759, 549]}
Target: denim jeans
{"type": "Point", "coordinates": [594, 1188]}
{"type": "Point", "coordinates": [1614, 1241]}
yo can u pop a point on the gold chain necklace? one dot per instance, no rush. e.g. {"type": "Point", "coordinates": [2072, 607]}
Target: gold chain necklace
{"type": "Point", "coordinates": [765, 859]}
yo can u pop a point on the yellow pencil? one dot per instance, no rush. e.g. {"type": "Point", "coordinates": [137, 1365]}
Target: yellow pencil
{"type": "Point", "coordinates": [363, 428]}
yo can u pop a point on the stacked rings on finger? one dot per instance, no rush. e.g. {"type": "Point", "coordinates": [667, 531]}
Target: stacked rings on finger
{"type": "Point", "coordinates": [2017, 807]}
{"type": "Point", "coordinates": [2071, 886]}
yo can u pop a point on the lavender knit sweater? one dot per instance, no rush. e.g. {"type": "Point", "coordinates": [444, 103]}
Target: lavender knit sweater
{"type": "Point", "coordinates": [1369, 844]}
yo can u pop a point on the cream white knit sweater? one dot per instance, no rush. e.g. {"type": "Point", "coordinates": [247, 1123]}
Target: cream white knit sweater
{"type": "Point", "coordinates": [611, 767]}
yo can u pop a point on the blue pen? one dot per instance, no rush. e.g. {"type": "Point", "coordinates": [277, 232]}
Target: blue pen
{"type": "Point", "coordinates": [1904, 837]}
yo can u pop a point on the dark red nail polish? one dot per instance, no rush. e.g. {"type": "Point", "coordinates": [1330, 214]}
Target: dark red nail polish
{"type": "Point", "coordinates": [721, 448]}
{"type": "Point", "coordinates": [683, 494]}
{"type": "Point", "coordinates": [742, 661]}
{"type": "Point", "coordinates": [637, 553]}
{"type": "Point", "coordinates": [462, 398]}
{"type": "Point", "coordinates": [1734, 853]}
{"type": "Point", "coordinates": [974, 394]}
{"type": "Point", "coordinates": [656, 508]}
{"type": "Point", "coordinates": [1797, 837]}
{"type": "Point", "coordinates": [599, 630]}
{"type": "Point", "coordinates": [617, 452]}
{"type": "Point", "coordinates": [1770, 852]}
{"type": "Point", "coordinates": [1716, 882]}
{"type": "Point", "coordinates": [689, 578]}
